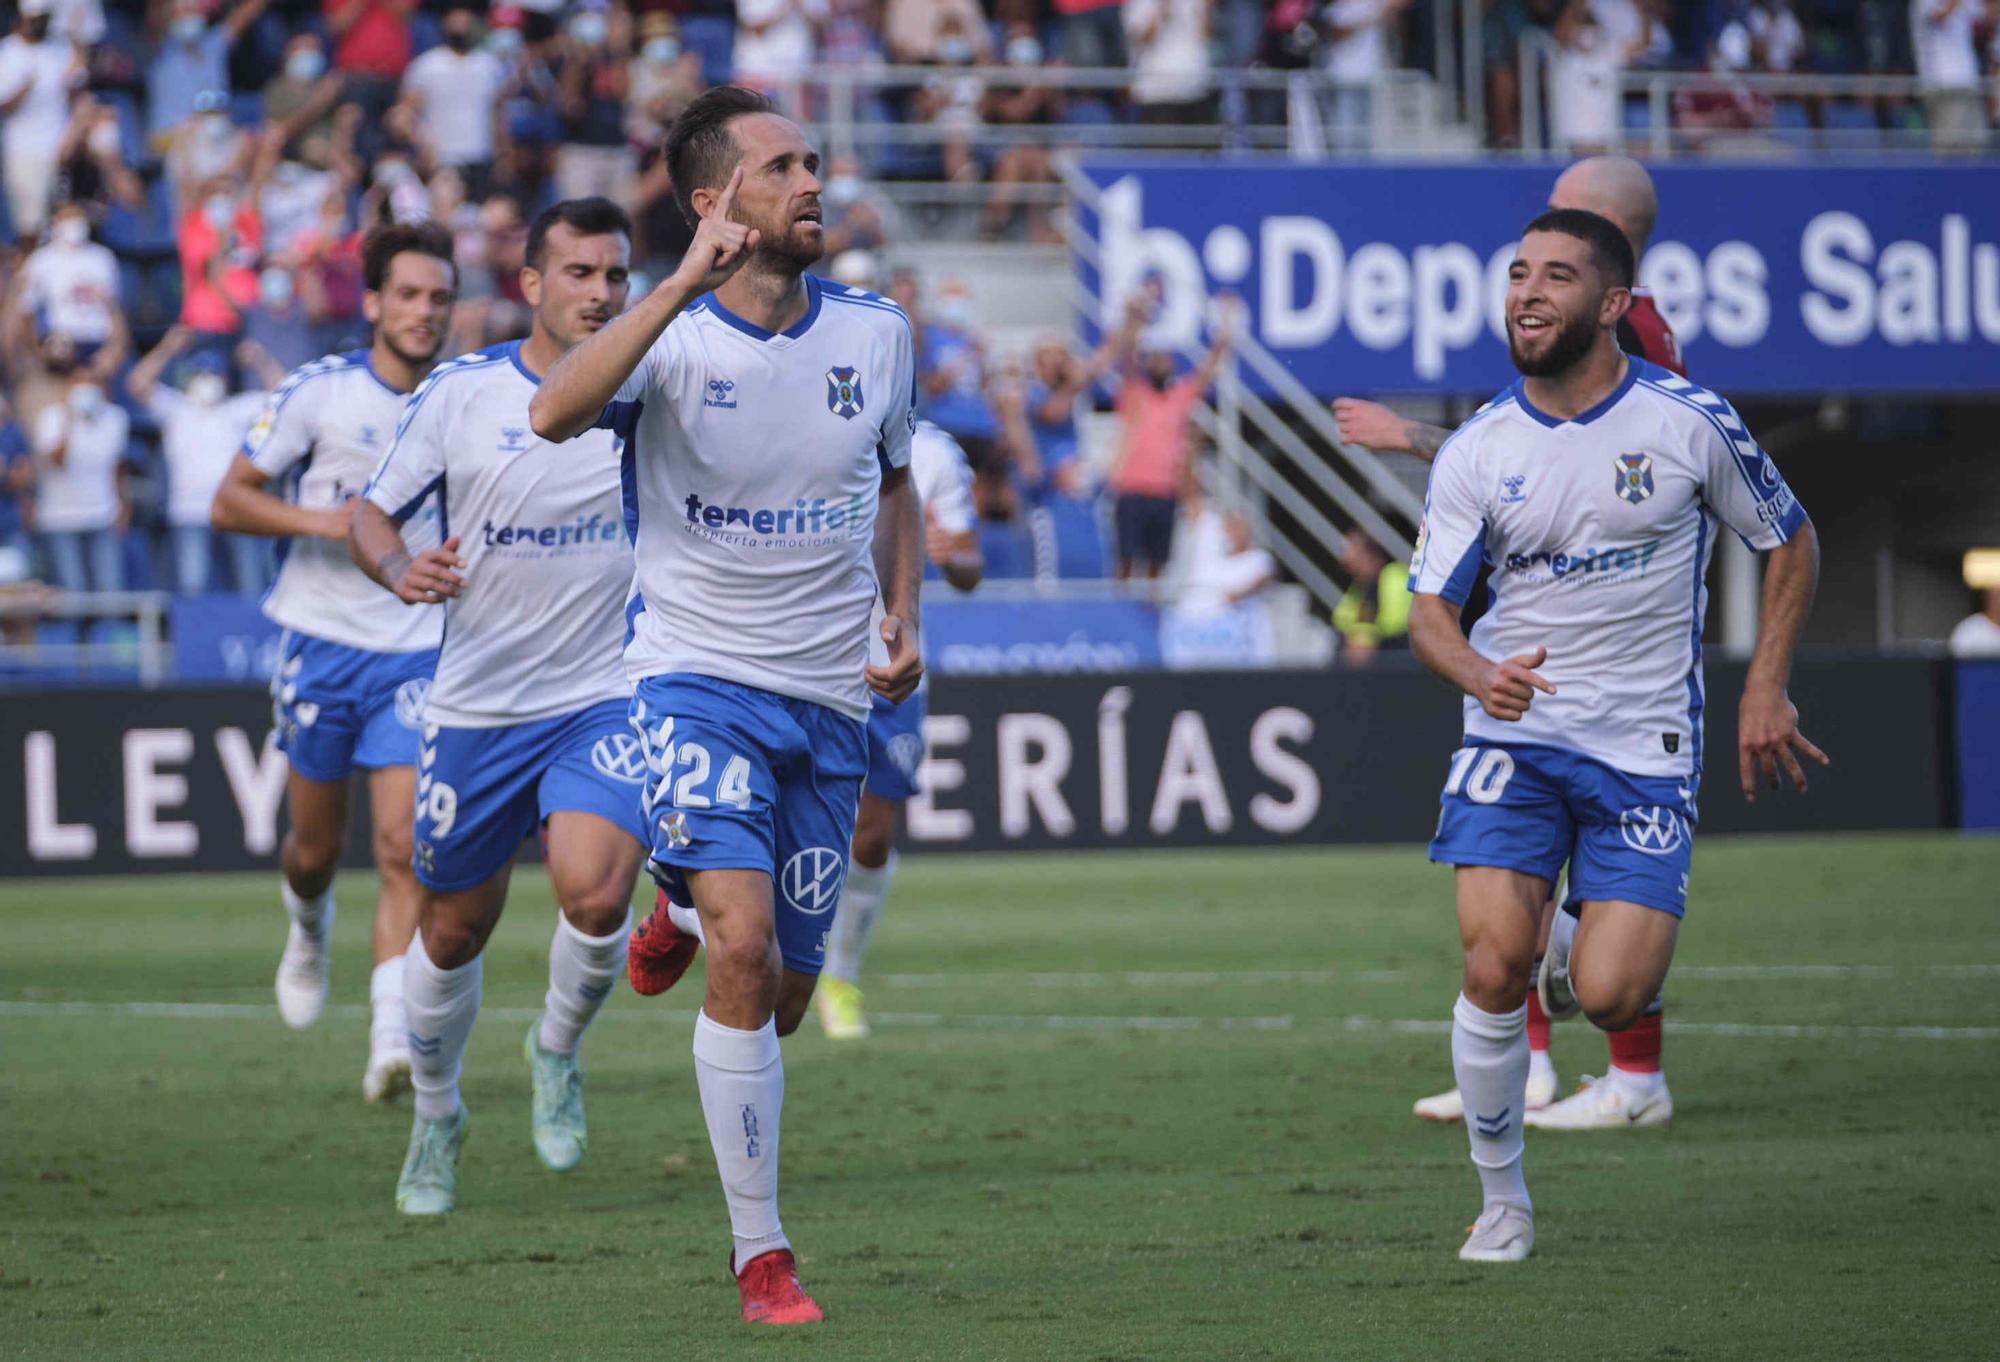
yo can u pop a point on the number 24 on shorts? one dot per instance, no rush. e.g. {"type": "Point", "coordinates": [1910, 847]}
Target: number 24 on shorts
{"type": "Point", "coordinates": [694, 764]}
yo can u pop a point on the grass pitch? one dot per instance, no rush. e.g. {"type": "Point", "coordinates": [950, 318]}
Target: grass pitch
{"type": "Point", "coordinates": [1116, 1107]}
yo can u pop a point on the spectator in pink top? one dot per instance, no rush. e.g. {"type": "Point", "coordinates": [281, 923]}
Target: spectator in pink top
{"type": "Point", "coordinates": [1150, 476]}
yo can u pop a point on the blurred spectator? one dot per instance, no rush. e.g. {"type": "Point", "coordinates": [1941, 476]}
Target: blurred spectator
{"type": "Point", "coordinates": [1093, 32]}
{"type": "Point", "coordinates": [220, 241]}
{"type": "Point", "coordinates": [279, 330]}
{"type": "Point", "coordinates": [594, 157]}
{"type": "Point", "coordinates": [1046, 412]}
{"type": "Point", "coordinates": [68, 290]}
{"type": "Point", "coordinates": [37, 73]}
{"type": "Point", "coordinates": [1155, 413]}
{"type": "Point", "coordinates": [192, 57]}
{"type": "Point", "coordinates": [660, 233]}
{"type": "Point", "coordinates": [1170, 72]}
{"type": "Point", "coordinates": [291, 199]}
{"type": "Point", "coordinates": [944, 32]}
{"type": "Point", "coordinates": [81, 507]}
{"type": "Point", "coordinates": [1219, 617]}
{"type": "Point", "coordinates": [1374, 612]}
{"type": "Point", "coordinates": [851, 35]}
{"type": "Point", "coordinates": [1941, 33]}
{"type": "Point", "coordinates": [201, 429]}
{"type": "Point", "coordinates": [208, 146]}
{"type": "Point", "coordinates": [1020, 163]}
{"type": "Point", "coordinates": [1356, 55]}
{"type": "Point", "coordinates": [17, 481]}
{"type": "Point", "coordinates": [91, 167]}
{"type": "Point", "coordinates": [453, 93]}
{"type": "Point", "coordinates": [708, 27]}
{"type": "Point", "coordinates": [951, 378]}
{"type": "Point", "coordinates": [371, 50]}
{"type": "Point", "coordinates": [301, 98]}
{"type": "Point", "coordinates": [951, 98]}
{"type": "Point", "coordinates": [78, 21]}
{"type": "Point", "coordinates": [858, 215]}
{"type": "Point", "coordinates": [1594, 44]}
{"type": "Point", "coordinates": [774, 46]}
{"type": "Point", "coordinates": [666, 76]}
{"type": "Point", "coordinates": [1978, 634]}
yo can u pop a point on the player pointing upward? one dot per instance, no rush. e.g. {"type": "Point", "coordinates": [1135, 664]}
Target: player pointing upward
{"type": "Point", "coordinates": [1593, 488]}
{"type": "Point", "coordinates": [769, 457]}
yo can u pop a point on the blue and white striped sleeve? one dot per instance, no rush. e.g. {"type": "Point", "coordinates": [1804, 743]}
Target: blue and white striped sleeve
{"type": "Point", "coordinates": [414, 465]}
{"type": "Point", "coordinates": [1451, 542]}
{"type": "Point", "coordinates": [289, 424]}
{"type": "Point", "coordinates": [1741, 484]}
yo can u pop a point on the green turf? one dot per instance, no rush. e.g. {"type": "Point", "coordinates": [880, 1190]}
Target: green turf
{"type": "Point", "coordinates": [978, 1181]}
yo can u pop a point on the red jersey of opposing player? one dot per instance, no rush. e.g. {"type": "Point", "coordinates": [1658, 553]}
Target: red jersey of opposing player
{"type": "Point", "coordinates": [1642, 331]}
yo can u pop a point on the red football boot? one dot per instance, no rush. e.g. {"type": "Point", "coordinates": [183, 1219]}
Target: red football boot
{"type": "Point", "coordinates": [771, 1291]}
{"type": "Point", "coordinates": [660, 952]}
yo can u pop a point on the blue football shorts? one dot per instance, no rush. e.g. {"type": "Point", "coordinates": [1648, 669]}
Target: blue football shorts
{"type": "Point", "coordinates": [896, 746]}
{"type": "Point", "coordinates": [339, 709]}
{"type": "Point", "coordinates": [1532, 808]}
{"type": "Point", "coordinates": [482, 791]}
{"type": "Point", "coordinates": [746, 779]}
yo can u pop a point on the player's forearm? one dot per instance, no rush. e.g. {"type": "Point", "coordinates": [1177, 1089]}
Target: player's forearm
{"type": "Point", "coordinates": [242, 509]}
{"type": "Point", "coordinates": [899, 537]}
{"type": "Point", "coordinates": [1440, 644]}
{"type": "Point", "coordinates": [376, 545]}
{"type": "Point", "coordinates": [574, 393]}
{"type": "Point", "coordinates": [1424, 440]}
{"type": "Point", "coordinates": [1791, 577]}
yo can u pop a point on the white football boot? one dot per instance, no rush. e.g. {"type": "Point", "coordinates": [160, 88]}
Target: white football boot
{"type": "Point", "coordinates": [1608, 1103]}
{"type": "Point", "coordinates": [302, 973]}
{"type": "Point", "coordinates": [1502, 1234]}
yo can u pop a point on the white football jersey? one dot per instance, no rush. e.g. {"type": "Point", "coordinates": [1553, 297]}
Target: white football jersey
{"type": "Point", "coordinates": [757, 463]}
{"type": "Point", "coordinates": [1599, 531]}
{"type": "Point", "coordinates": [540, 629]}
{"type": "Point", "coordinates": [326, 426]}
{"type": "Point", "coordinates": [943, 480]}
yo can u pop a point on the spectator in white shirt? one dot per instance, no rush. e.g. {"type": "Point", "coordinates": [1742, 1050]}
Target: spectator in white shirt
{"type": "Point", "coordinates": [1170, 71]}
{"type": "Point", "coordinates": [201, 429]}
{"type": "Point", "coordinates": [1978, 634]}
{"type": "Point", "coordinates": [1593, 47]}
{"type": "Point", "coordinates": [37, 73]}
{"type": "Point", "coordinates": [1355, 55]}
{"type": "Point", "coordinates": [455, 93]}
{"type": "Point", "coordinates": [775, 44]}
{"type": "Point", "coordinates": [80, 503]}
{"type": "Point", "coordinates": [1948, 71]}
{"type": "Point", "coordinates": [68, 289]}
{"type": "Point", "coordinates": [1220, 616]}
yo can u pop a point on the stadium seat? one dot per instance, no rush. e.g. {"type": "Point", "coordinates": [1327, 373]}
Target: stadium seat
{"type": "Point", "coordinates": [1007, 549]}
{"type": "Point", "coordinates": [1069, 540]}
{"type": "Point", "coordinates": [1850, 126]}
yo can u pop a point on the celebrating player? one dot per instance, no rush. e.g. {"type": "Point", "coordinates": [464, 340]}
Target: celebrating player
{"type": "Point", "coordinates": [350, 683]}
{"type": "Point", "coordinates": [771, 450]}
{"type": "Point", "coordinates": [526, 724]}
{"type": "Point", "coordinates": [1592, 487]}
{"type": "Point", "coordinates": [895, 741]}
{"type": "Point", "coordinates": [1634, 1091]}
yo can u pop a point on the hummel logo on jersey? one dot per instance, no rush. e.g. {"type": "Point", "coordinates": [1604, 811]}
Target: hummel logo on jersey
{"type": "Point", "coordinates": [721, 393]}
{"type": "Point", "coordinates": [1514, 483]}
{"type": "Point", "coordinates": [513, 440]}
{"type": "Point", "coordinates": [843, 393]}
{"type": "Point", "coordinates": [369, 436]}
{"type": "Point", "coordinates": [1635, 477]}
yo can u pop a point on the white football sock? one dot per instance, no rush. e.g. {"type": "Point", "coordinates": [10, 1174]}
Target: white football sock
{"type": "Point", "coordinates": [854, 920]}
{"type": "Point", "coordinates": [389, 1030]}
{"type": "Point", "coordinates": [687, 919]}
{"type": "Point", "coordinates": [582, 970]}
{"type": "Point", "coordinates": [1489, 1053]}
{"type": "Point", "coordinates": [442, 1005]}
{"type": "Point", "coordinates": [314, 916]}
{"type": "Point", "coordinates": [742, 1081]}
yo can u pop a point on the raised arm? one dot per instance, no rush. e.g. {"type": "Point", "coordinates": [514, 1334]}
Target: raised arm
{"type": "Point", "coordinates": [574, 393]}
{"type": "Point", "coordinates": [1376, 427]}
{"type": "Point", "coordinates": [1767, 734]}
{"type": "Point", "coordinates": [899, 568]}
{"type": "Point", "coordinates": [145, 375]}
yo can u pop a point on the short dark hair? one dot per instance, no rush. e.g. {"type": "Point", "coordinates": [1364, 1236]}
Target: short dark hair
{"type": "Point", "coordinates": [700, 151]}
{"type": "Point", "coordinates": [594, 216]}
{"type": "Point", "coordinates": [390, 239]}
{"type": "Point", "coordinates": [1610, 251]}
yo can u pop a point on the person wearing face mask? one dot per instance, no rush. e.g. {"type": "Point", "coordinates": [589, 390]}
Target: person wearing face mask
{"type": "Point", "coordinates": [278, 330]}
{"type": "Point", "coordinates": [454, 93]}
{"type": "Point", "coordinates": [947, 32]}
{"type": "Point", "coordinates": [209, 146]}
{"type": "Point", "coordinates": [1152, 471]}
{"type": "Point", "coordinates": [220, 240]}
{"type": "Point", "coordinates": [92, 169]}
{"type": "Point", "coordinates": [594, 159]}
{"type": "Point", "coordinates": [81, 508]}
{"type": "Point", "coordinates": [301, 98]}
{"type": "Point", "coordinates": [371, 50]}
{"type": "Point", "coordinates": [857, 215]}
{"type": "Point", "coordinates": [774, 44]}
{"type": "Point", "coordinates": [1026, 162]}
{"type": "Point", "coordinates": [37, 73]}
{"type": "Point", "coordinates": [665, 79]}
{"type": "Point", "coordinates": [201, 426]}
{"type": "Point", "coordinates": [68, 290]}
{"type": "Point", "coordinates": [191, 55]}
{"type": "Point", "coordinates": [951, 387]}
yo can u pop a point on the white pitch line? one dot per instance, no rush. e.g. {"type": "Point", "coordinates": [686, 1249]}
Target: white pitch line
{"type": "Point", "coordinates": [1206, 978]}
{"type": "Point", "coordinates": [988, 1021]}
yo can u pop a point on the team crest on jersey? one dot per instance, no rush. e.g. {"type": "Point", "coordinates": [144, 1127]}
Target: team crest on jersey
{"type": "Point", "coordinates": [674, 827]}
{"type": "Point", "coordinates": [843, 393]}
{"type": "Point", "coordinates": [1635, 477]}
{"type": "Point", "coordinates": [721, 392]}
{"type": "Point", "coordinates": [513, 440]}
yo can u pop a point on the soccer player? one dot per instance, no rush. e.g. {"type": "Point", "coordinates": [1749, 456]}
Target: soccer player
{"type": "Point", "coordinates": [770, 454]}
{"type": "Point", "coordinates": [355, 665]}
{"type": "Point", "coordinates": [1634, 1092]}
{"type": "Point", "coordinates": [943, 481]}
{"type": "Point", "coordinates": [526, 725]}
{"type": "Point", "coordinates": [1593, 488]}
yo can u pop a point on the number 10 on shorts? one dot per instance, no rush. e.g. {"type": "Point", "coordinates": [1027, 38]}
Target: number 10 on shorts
{"type": "Point", "coordinates": [1480, 773]}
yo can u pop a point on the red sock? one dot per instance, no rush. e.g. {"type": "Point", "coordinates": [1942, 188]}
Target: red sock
{"type": "Point", "coordinates": [1538, 1025]}
{"type": "Point", "coordinates": [1636, 1049]}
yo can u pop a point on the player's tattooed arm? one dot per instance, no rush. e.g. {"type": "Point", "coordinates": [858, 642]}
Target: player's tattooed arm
{"type": "Point", "coordinates": [1503, 689]}
{"type": "Point", "coordinates": [899, 568]}
{"type": "Point", "coordinates": [1767, 726]}
{"type": "Point", "coordinates": [1373, 425]}
{"type": "Point", "coordinates": [376, 545]}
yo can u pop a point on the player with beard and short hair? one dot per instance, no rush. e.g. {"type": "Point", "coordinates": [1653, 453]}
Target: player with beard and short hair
{"type": "Point", "coordinates": [1633, 1093]}
{"type": "Point", "coordinates": [353, 665]}
{"type": "Point", "coordinates": [526, 726]}
{"type": "Point", "coordinates": [770, 485]}
{"type": "Point", "coordinates": [1592, 488]}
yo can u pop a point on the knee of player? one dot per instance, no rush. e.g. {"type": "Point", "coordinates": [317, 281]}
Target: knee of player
{"type": "Point", "coordinates": [599, 909]}
{"type": "Point", "coordinates": [1495, 982]}
{"type": "Point", "coordinates": [395, 845]}
{"type": "Point", "coordinates": [451, 943]}
{"type": "Point", "coordinates": [312, 850]}
{"type": "Point", "coordinates": [871, 846]}
{"type": "Point", "coordinates": [1614, 1009]}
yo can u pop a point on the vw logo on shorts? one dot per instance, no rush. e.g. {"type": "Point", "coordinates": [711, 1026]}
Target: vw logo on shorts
{"type": "Point", "coordinates": [907, 751]}
{"type": "Point", "coordinates": [620, 756]}
{"type": "Point", "coordinates": [411, 697]}
{"type": "Point", "coordinates": [812, 880]}
{"type": "Point", "coordinates": [1655, 830]}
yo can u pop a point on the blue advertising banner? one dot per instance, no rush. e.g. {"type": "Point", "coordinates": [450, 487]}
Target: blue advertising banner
{"type": "Point", "coordinates": [1372, 278]}
{"type": "Point", "coordinates": [222, 637]}
{"type": "Point", "coordinates": [984, 638]}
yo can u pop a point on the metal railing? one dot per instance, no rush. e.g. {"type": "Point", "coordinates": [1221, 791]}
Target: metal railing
{"type": "Point", "coordinates": [148, 655]}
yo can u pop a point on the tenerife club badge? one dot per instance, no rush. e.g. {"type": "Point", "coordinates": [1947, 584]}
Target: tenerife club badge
{"type": "Point", "coordinates": [1635, 477]}
{"type": "Point", "coordinates": [843, 393]}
